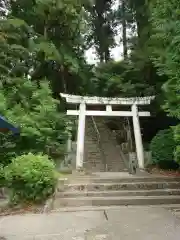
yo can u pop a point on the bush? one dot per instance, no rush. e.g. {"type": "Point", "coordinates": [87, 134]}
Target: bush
{"type": "Point", "coordinates": [31, 178]}
{"type": "Point", "coordinates": [177, 154]}
{"type": "Point", "coordinates": [177, 139]}
{"type": "Point", "coordinates": [2, 179]}
{"type": "Point", "coordinates": [163, 146]}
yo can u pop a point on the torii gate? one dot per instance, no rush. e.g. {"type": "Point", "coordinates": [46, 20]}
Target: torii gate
{"type": "Point", "coordinates": [108, 102]}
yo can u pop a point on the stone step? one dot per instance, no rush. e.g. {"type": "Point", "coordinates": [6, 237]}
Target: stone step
{"type": "Point", "coordinates": [98, 161]}
{"type": "Point", "coordinates": [177, 214]}
{"type": "Point", "coordinates": [93, 168]}
{"type": "Point", "coordinates": [177, 210]}
{"type": "Point", "coordinates": [120, 186]}
{"type": "Point", "coordinates": [169, 207]}
{"type": "Point", "coordinates": [155, 192]}
{"type": "Point", "coordinates": [117, 169]}
{"type": "Point", "coordinates": [122, 177]}
{"type": "Point", "coordinates": [116, 201]}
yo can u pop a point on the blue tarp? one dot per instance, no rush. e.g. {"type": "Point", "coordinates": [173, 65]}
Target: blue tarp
{"type": "Point", "coordinates": [5, 126]}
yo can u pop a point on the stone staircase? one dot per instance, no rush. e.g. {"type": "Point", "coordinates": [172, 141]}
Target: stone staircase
{"type": "Point", "coordinates": [101, 150]}
{"type": "Point", "coordinates": [114, 190]}
{"type": "Point", "coordinates": [93, 155]}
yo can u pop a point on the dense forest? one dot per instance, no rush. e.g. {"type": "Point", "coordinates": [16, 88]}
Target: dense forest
{"type": "Point", "coordinates": [42, 53]}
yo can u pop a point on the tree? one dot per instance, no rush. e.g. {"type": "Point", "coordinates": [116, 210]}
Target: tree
{"type": "Point", "coordinates": [124, 19]}
{"type": "Point", "coordinates": [32, 108]}
{"type": "Point", "coordinates": [124, 29]}
{"type": "Point", "coordinates": [101, 22]}
{"type": "Point", "coordinates": [51, 51]}
{"type": "Point", "coordinates": [121, 79]}
{"type": "Point", "coordinates": [166, 57]}
{"type": "Point", "coordinates": [54, 45]}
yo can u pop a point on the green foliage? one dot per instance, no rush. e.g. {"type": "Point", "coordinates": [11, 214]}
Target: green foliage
{"type": "Point", "coordinates": [7, 148]}
{"type": "Point", "coordinates": [2, 177]}
{"type": "Point", "coordinates": [166, 56]}
{"type": "Point", "coordinates": [31, 178]}
{"type": "Point", "coordinates": [162, 147]}
{"type": "Point", "coordinates": [14, 55]}
{"type": "Point", "coordinates": [101, 24]}
{"type": "Point", "coordinates": [51, 47]}
{"type": "Point", "coordinates": [122, 79]}
{"type": "Point", "coordinates": [135, 75]}
{"type": "Point", "coordinates": [32, 108]}
{"type": "Point", "coordinates": [51, 51]}
{"type": "Point", "coordinates": [177, 154]}
{"type": "Point", "coordinates": [177, 140]}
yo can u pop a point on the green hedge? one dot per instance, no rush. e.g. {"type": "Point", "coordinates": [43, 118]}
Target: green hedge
{"type": "Point", "coordinates": [163, 147]}
{"type": "Point", "coordinates": [177, 154]}
{"type": "Point", "coordinates": [31, 178]}
{"type": "Point", "coordinates": [177, 139]}
{"type": "Point", "coordinates": [2, 179]}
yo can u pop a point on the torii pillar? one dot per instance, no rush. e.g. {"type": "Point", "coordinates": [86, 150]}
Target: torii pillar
{"type": "Point", "coordinates": [138, 136]}
{"type": "Point", "coordinates": [81, 136]}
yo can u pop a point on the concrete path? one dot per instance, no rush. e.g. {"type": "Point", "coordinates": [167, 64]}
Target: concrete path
{"type": "Point", "coordinates": [126, 223]}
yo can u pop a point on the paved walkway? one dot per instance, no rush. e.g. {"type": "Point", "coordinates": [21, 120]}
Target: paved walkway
{"type": "Point", "coordinates": [126, 223]}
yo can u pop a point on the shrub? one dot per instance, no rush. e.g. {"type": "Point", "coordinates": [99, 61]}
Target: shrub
{"type": "Point", "coordinates": [31, 178]}
{"type": "Point", "coordinates": [177, 139]}
{"type": "Point", "coordinates": [177, 154]}
{"type": "Point", "coordinates": [163, 146]}
{"type": "Point", "coordinates": [2, 179]}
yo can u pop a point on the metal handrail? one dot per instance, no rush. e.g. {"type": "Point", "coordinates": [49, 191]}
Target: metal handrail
{"type": "Point", "coordinates": [96, 128]}
{"type": "Point", "coordinates": [127, 161]}
{"type": "Point", "coordinates": [99, 143]}
{"type": "Point", "coordinates": [122, 154]}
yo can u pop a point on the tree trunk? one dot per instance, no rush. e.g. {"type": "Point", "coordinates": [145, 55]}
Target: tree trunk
{"type": "Point", "coordinates": [63, 78]}
{"type": "Point", "coordinates": [124, 25]}
{"type": "Point", "coordinates": [107, 55]}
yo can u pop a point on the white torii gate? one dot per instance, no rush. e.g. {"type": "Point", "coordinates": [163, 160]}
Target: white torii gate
{"type": "Point", "coordinates": [82, 113]}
